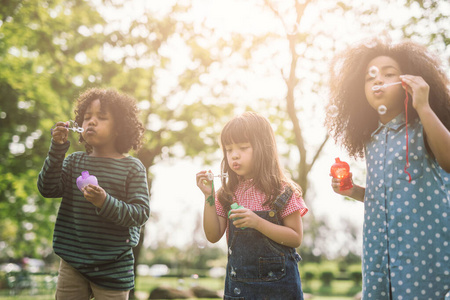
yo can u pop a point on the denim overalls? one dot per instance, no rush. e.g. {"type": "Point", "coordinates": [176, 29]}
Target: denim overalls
{"type": "Point", "coordinates": [259, 268]}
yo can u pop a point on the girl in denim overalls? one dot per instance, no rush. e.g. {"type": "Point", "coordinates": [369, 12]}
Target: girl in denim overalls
{"type": "Point", "coordinates": [262, 236]}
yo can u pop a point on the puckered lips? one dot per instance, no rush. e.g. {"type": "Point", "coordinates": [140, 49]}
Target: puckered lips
{"type": "Point", "coordinates": [378, 93]}
{"type": "Point", "coordinates": [90, 130]}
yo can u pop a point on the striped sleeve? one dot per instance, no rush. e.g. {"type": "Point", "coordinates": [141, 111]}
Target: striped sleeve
{"type": "Point", "coordinates": [52, 177]}
{"type": "Point", "coordinates": [135, 209]}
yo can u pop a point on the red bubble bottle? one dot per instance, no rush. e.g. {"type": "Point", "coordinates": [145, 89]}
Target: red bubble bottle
{"type": "Point", "coordinates": [341, 170]}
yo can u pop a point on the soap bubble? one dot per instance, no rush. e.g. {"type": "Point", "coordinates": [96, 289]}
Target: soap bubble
{"type": "Point", "coordinates": [382, 109]}
{"type": "Point", "coordinates": [373, 71]}
{"type": "Point", "coordinates": [201, 244]}
{"type": "Point", "coordinates": [333, 111]}
{"type": "Point", "coordinates": [237, 291]}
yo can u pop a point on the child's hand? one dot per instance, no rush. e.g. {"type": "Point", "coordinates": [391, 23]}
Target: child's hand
{"type": "Point", "coordinates": [203, 183]}
{"type": "Point", "coordinates": [244, 217]}
{"type": "Point", "coordinates": [419, 90]}
{"type": "Point", "coordinates": [94, 194]}
{"type": "Point", "coordinates": [60, 133]}
{"type": "Point", "coordinates": [336, 183]}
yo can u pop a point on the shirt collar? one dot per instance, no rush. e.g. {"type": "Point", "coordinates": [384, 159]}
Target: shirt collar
{"type": "Point", "coordinates": [395, 124]}
{"type": "Point", "coordinates": [242, 180]}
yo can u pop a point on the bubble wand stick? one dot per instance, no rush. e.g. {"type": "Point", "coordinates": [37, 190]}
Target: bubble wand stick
{"type": "Point", "coordinates": [211, 199]}
{"type": "Point", "coordinates": [373, 71]}
{"type": "Point", "coordinates": [379, 87]}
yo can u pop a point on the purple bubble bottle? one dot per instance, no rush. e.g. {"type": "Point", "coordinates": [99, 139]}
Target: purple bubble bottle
{"type": "Point", "coordinates": [86, 179]}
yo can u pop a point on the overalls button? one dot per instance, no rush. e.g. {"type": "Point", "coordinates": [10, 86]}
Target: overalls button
{"type": "Point", "coordinates": [271, 214]}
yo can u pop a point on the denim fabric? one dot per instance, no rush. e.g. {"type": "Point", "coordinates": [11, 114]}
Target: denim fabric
{"type": "Point", "coordinates": [259, 268]}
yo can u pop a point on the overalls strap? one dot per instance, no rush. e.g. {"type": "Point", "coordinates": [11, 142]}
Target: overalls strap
{"type": "Point", "coordinates": [282, 200]}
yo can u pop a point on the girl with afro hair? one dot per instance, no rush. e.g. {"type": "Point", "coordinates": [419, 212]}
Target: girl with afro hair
{"type": "Point", "coordinates": [392, 106]}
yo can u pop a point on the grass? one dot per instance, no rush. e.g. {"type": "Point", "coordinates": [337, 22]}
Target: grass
{"type": "Point", "coordinates": [144, 285]}
{"type": "Point", "coordinates": [337, 287]}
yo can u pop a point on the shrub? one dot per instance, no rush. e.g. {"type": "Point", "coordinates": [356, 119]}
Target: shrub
{"type": "Point", "coordinates": [355, 274]}
{"type": "Point", "coordinates": [326, 277]}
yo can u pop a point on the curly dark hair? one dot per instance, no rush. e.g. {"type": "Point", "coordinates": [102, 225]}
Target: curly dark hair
{"type": "Point", "coordinates": [124, 110]}
{"type": "Point", "coordinates": [355, 120]}
{"type": "Point", "coordinates": [253, 128]}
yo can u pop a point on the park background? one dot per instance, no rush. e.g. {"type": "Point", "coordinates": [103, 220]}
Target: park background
{"type": "Point", "coordinates": [192, 66]}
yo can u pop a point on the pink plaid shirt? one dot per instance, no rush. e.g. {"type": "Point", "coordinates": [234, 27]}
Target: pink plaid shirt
{"type": "Point", "coordinates": [249, 197]}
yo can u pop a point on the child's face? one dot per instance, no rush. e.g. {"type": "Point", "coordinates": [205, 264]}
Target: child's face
{"type": "Point", "coordinates": [388, 71]}
{"type": "Point", "coordinates": [240, 159]}
{"type": "Point", "coordinates": [98, 125]}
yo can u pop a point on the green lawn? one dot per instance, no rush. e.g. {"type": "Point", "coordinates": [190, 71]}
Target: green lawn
{"type": "Point", "coordinates": [144, 285]}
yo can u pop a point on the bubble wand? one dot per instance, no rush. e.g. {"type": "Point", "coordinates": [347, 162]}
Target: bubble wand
{"type": "Point", "coordinates": [71, 125]}
{"type": "Point", "coordinates": [406, 127]}
{"type": "Point", "coordinates": [379, 87]}
{"type": "Point", "coordinates": [211, 199]}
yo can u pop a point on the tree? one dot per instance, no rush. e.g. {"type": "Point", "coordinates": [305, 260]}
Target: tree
{"type": "Point", "coordinates": [53, 50]}
{"type": "Point", "coordinates": [36, 69]}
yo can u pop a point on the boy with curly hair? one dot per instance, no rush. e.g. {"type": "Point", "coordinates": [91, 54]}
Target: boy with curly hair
{"type": "Point", "coordinates": [98, 225]}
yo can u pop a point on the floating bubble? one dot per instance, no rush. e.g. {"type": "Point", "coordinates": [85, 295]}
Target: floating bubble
{"type": "Point", "coordinates": [382, 109]}
{"type": "Point", "coordinates": [373, 71]}
{"type": "Point", "coordinates": [201, 244]}
{"type": "Point", "coordinates": [237, 291]}
{"type": "Point", "coordinates": [333, 111]}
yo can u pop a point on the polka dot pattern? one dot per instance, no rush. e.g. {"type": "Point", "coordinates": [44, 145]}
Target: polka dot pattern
{"type": "Point", "coordinates": [406, 227]}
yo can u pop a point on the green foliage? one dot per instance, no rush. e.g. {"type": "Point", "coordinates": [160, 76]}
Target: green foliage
{"type": "Point", "coordinates": [181, 260]}
{"type": "Point", "coordinates": [50, 51]}
{"type": "Point", "coordinates": [355, 274]}
{"type": "Point", "coordinates": [326, 277]}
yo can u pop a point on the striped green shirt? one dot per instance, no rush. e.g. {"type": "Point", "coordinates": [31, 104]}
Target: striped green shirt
{"type": "Point", "coordinates": [97, 242]}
